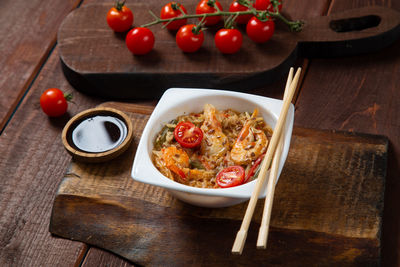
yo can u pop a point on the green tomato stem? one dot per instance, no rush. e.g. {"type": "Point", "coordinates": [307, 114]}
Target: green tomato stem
{"type": "Point", "coordinates": [293, 25]}
{"type": "Point", "coordinates": [68, 97]}
{"type": "Point", "coordinates": [119, 5]}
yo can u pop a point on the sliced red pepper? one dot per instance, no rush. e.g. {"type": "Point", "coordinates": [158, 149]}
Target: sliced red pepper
{"type": "Point", "coordinates": [253, 168]}
{"type": "Point", "coordinates": [178, 171]}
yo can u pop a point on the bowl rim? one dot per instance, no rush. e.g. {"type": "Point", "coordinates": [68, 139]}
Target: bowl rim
{"type": "Point", "coordinates": [143, 169]}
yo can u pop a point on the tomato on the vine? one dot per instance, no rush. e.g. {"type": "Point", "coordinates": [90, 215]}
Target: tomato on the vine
{"type": "Point", "coordinates": [260, 31]}
{"type": "Point", "coordinates": [140, 40]}
{"type": "Point", "coordinates": [230, 176]}
{"type": "Point", "coordinates": [54, 103]}
{"type": "Point", "coordinates": [189, 38]}
{"type": "Point", "coordinates": [266, 5]}
{"type": "Point", "coordinates": [208, 6]}
{"type": "Point", "coordinates": [120, 17]}
{"type": "Point", "coordinates": [236, 7]}
{"type": "Point", "coordinates": [188, 135]}
{"type": "Point", "coordinates": [228, 41]}
{"type": "Point", "coordinates": [172, 10]}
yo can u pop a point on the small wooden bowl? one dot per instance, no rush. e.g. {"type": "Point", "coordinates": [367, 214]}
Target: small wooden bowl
{"type": "Point", "coordinates": [84, 156]}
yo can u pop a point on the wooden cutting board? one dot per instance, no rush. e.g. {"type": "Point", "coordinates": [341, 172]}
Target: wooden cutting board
{"type": "Point", "coordinates": [327, 208]}
{"type": "Point", "coordinates": [96, 61]}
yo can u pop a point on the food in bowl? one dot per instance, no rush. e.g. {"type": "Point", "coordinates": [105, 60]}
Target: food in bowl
{"type": "Point", "coordinates": [212, 148]}
{"type": "Point", "coordinates": [178, 101]}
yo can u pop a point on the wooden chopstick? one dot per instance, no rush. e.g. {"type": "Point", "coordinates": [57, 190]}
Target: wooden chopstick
{"type": "Point", "coordinates": [242, 233]}
{"type": "Point", "coordinates": [263, 231]}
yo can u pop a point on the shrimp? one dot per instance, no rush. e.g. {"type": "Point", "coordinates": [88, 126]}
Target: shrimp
{"type": "Point", "coordinates": [250, 144]}
{"type": "Point", "coordinates": [215, 143]}
{"type": "Point", "coordinates": [175, 159]}
{"type": "Point", "coordinates": [199, 174]}
{"type": "Point", "coordinates": [200, 178]}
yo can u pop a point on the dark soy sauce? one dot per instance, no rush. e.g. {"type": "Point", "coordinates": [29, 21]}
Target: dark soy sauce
{"type": "Point", "coordinates": [99, 134]}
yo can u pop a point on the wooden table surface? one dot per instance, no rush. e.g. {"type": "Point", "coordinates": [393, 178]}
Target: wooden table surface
{"type": "Point", "coordinates": [359, 93]}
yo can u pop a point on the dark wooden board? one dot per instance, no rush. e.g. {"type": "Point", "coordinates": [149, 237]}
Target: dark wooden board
{"type": "Point", "coordinates": [96, 60]}
{"type": "Point", "coordinates": [327, 209]}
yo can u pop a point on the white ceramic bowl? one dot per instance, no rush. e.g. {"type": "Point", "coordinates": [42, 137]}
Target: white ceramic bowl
{"type": "Point", "coordinates": [178, 101]}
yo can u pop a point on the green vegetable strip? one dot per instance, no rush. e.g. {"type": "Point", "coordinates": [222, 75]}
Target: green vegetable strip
{"type": "Point", "coordinates": [195, 164]}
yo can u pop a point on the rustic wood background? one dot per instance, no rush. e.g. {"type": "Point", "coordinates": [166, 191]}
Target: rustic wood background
{"type": "Point", "coordinates": [357, 93]}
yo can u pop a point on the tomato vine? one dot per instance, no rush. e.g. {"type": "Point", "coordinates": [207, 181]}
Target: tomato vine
{"type": "Point", "coordinates": [262, 15]}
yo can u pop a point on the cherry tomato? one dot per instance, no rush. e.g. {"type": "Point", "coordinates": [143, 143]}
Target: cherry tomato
{"type": "Point", "coordinates": [140, 40]}
{"type": "Point", "coordinates": [171, 10]}
{"type": "Point", "coordinates": [260, 31]}
{"type": "Point", "coordinates": [230, 176]}
{"type": "Point", "coordinates": [208, 6]}
{"type": "Point", "coordinates": [262, 4]}
{"type": "Point", "coordinates": [236, 7]}
{"type": "Point", "coordinates": [120, 17]}
{"type": "Point", "coordinates": [188, 135]}
{"type": "Point", "coordinates": [54, 102]}
{"type": "Point", "coordinates": [266, 5]}
{"type": "Point", "coordinates": [188, 39]}
{"type": "Point", "coordinates": [228, 41]}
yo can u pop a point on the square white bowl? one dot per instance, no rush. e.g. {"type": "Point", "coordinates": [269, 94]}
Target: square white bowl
{"type": "Point", "coordinates": [179, 101]}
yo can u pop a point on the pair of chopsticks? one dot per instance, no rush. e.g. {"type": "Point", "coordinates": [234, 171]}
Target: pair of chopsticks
{"type": "Point", "coordinates": [274, 151]}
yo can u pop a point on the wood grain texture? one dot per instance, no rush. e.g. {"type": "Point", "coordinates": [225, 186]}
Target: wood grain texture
{"type": "Point", "coordinates": [330, 194]}
{"type": "Point", "coordinates": [32, 161]}
{"type": "Point", "coordinates": [100, 257]}
{"type": "Point", "coordinates": [360, 94]}
{"type": "Point", "coordinates": [110, 70]}
{"type": "Point", "coordinates": [28, 32]}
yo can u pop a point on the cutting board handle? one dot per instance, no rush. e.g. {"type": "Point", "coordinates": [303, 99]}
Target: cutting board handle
{"type": "Point", "coordinates": [350, 32]}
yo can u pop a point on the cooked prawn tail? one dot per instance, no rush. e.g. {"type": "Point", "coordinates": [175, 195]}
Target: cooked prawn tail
{"type": "Point", "coordinates": [175, 159]}
{"type": "Point", "coordinates": [250, 142]}
{"type": "Point", "coordinates": [178, 171]}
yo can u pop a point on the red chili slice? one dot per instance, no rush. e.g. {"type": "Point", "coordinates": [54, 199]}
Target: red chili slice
{"type": "Point", "coordinates": [188, 135]}
{"type": "Point", "coordinates": [253, 168]}
{"type": "Point", "coordinates": [230, 176]}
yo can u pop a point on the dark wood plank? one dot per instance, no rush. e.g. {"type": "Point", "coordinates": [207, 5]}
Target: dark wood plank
{"type": "Point", "coordinates": [32, 161]}
{"type": "Point", "coordinates": [360, 94]}
{"type": "Point", "coordinates": [28, 31]}
{"type": "Point", "coordinates": [331, 192]}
